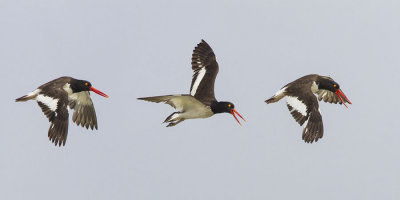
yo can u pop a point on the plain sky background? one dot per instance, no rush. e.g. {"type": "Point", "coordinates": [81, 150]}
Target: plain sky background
{"type": "Point", "coordinates": [131, 49]}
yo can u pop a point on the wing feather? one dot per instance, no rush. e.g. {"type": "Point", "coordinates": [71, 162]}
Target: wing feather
{"type": "Point", "coordinates": [205, 68]}
{"type": "Point", "coordinates": [305, 110]}
{"type": "Point", "coordinates": [330, 97]}
{"type": "Point", "coordinates": [84, 112]}
{"type": "Point", "coordinates": [58, 130]}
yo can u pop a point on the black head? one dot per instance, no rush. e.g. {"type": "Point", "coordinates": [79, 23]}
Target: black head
{"type": "Point", "coordinates": [225, 107]}
{"type": "Point", "coordinates": [327, 83]}
{"type": "Point", "coordinates": [222, 107]}
{"type": "Point", "coordinates": [82, 85]}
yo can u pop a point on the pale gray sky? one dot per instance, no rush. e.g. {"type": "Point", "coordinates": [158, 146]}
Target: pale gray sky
{"type": "Point", "coordinates": [131, 49]}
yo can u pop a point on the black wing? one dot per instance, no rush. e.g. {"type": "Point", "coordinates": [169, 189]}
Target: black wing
{"type": "Point", "coordinates": [205, 67]}
{"type": "Point", "coordinates": [54, 106]}
{"type": "Point", "coordinates": [58, 130]}
{"type": "Point", "coordinates": [305, 110]}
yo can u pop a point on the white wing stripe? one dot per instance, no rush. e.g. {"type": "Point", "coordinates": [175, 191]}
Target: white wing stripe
{"type": "Point", "coordinates": [297, 105]}
{"type": "Point", "coordinates": [48, 101]}
{"type": "Point", "coordinates": [197, 82]}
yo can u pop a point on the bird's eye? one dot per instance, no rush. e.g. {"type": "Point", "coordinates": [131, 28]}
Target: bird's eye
{"type": "Point", "coordinates": [334, 85]}
{"type": "Point", "coordinates": [229, 105]}
{"type": "Point", "coordinates": [86, 84]}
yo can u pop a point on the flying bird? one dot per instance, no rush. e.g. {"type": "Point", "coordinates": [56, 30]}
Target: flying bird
{"type": "Point", "coordinates": [55, 96]}
{"type": "Point", "coordinates": [201, 102]}
{"type": "Point", "coordinates": [303, 104]}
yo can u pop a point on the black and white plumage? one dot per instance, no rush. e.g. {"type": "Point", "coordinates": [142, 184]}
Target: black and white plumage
{"type": "Point", "coordinates": [303, 104]}
{"type": "Point", "coordinates": [201, 102]}
{"type": "Point", "coordinates": [54, 98]}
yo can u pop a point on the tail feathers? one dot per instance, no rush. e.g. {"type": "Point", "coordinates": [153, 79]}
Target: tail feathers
{"type": "Point", "coordinates": [30, 96]}
{"type": "Point", "coordinates": [25, 98]}
{"type": "Point", "coordinates": [278, 96]}
{"type": "Point", "coordinates": [275, 98]}
{"type": "Point", "coordinates": [271, 100]}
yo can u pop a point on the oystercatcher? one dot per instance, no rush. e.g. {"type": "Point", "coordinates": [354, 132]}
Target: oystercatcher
{"type": "Point", "coordinates": [201, 102]}
{"type": "Point", "coordinates": [54, 97]}
{"type": "Point", "coordinates": [303, 104]}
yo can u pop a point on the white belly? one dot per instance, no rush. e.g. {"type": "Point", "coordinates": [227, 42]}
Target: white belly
{"type": "Point", "coordinates": [197, 113]}
{"type": "Point", "coordinates": [190, 108]}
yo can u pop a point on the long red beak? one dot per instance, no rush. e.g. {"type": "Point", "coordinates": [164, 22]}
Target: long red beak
{"type": "Point", "coordinates": [340, 94]}
{"type": "Point", "coordinates": [233, 112]}
{"type": "Point", "coordinates": [98, 92]}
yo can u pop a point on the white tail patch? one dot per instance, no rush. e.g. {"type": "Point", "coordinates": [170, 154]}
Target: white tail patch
{"type": "Point", "coordinates": [34, 93]}
{"type": "Point", "coordinates": [297, 105]}
{"type": "Point", "coordinates": [48, 101]}
{"type": "Point", "coordinates": [280, 92]}
{"type": "Point", "coordinates": [199, 77]}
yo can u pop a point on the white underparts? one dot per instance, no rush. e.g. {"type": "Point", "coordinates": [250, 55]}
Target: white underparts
{"type": "Point", "coordinates": [189, 107]}
{"type": "Point", "coordinates": [197, 82]}
{"type": "Point", "coordinates": [297, 105]}
{"type": "Point", "coordinates": [48, 101]}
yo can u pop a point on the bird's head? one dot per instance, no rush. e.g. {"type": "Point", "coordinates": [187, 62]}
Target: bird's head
{"type": "Point", "coordinates": [83, 85]}
{"type": "Point", "coordinates": [327, 83]}
{"type": "Point", "coordinates": [226, 107]}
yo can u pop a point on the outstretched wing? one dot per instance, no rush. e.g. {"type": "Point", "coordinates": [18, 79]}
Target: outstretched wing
{"type": "Point", "coordinates": [84, 112]}
{"type": "Point", "coordinates": [54, 106]}
{"type": "Point", "coordinates": [304, 110]}
{"type": "Point", "coordinates": [313, 128]}
{"type": "Point", "coordinates": [205, 67]}
{"type": "Point", "coordinates": [58, 130]}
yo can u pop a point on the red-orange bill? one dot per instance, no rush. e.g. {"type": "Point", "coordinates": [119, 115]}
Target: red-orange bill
{"type": "Point", "coordinates": [98, 92]}
{"type": "Point", "coordinates": [340, 94]}
{"type": "Point", "coordinates": [233, 112]}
